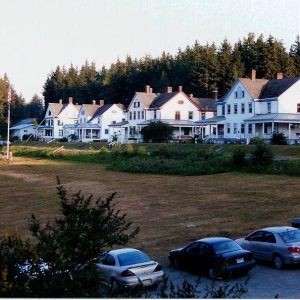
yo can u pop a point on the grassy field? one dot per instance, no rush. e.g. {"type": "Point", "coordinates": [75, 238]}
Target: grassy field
{"type": "Point", "coordinates": [171, 210]}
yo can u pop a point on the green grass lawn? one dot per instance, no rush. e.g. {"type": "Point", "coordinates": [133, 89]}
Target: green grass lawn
{"type": "Point", "coordinates": [171, 210]}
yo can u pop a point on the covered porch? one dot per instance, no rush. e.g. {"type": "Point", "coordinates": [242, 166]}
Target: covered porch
{"type": "Point", "coordinates": [264, 126]}
{"type": "Point", "coordinates": [211, 128]}
{"type": "Point", "coordinates": [88, 132]}
{"type": "Point", "coordinates": [45, 133]}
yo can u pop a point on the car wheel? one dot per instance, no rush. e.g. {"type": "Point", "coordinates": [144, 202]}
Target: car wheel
{"type": "Point", "coordinates": [278, 262]}
{"type": "Point", "coordinates": [212, 274]}
{"type": "Point", "coordinates": [114, 284]}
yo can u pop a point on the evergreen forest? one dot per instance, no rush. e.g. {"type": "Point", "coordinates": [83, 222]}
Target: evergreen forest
{"type": "Point", "coordinates": [199, 69]}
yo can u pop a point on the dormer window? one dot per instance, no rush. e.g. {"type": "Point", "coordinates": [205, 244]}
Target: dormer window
{"type": "Point", "coordinates": [239, 93]}
{"type": "Point", "coordinates": [82, 112]}
{"type": "Point", "coordinates": [49, 113]}
{"type": "Point", "coordinates": [136, 104]}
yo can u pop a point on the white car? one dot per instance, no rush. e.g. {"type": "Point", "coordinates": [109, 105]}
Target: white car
{"type": "Point", "coordinates": [128, 268]}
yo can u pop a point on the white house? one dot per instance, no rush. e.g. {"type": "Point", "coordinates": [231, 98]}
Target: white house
{"type": "Point", "coordinates": [258, 107]}
{"type": "Point", "coordinates": [57, 115]}
{"type": "Point", "coordinates": [95, 121]}
{"type": "Point", "coordinates": [174, 108]}
{"type": "Point", "coordinates": [23, 128]}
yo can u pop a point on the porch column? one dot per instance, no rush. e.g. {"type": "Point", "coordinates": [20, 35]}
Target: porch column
{"type": "Point", "coordinates": [179, 132]}
{"type": "Point", "coordinates": [290, 130]}
{"type": "Point", "coordinates": [253, 129]}
{"type": "Point", "coordinates": [272, 127]}
{"type": "Point", "coordinates": [217, 129]}
{"type": "Point", "coordinates": [263, 129]}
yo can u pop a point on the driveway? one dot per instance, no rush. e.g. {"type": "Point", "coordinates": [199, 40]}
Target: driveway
{"type": "Point", "coordinates": [264, 281]}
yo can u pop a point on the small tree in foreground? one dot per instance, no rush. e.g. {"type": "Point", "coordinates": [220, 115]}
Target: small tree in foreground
{"type": "Point", "coordinates": [157, 132]}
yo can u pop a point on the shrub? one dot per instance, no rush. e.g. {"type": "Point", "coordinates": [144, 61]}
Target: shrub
{"type": "Point", "coordinates": [262, 155]}
{"type": "Point", "coordinates": [279, 139]}
{"type": "Point", "coordinates": [256, 140]}
{"type": "Point", "coordinates": [63, 140]}
{"type": "Point", "coordinates": [238, 157]}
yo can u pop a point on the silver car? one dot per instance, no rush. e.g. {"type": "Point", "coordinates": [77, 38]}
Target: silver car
{"type": "Point", "coordinates": [280, 245]}
{"type": "Point", "coordinates": [128, 268]}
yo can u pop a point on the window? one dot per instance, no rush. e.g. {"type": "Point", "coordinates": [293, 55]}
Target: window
{"type": "Point", "coordinates": [75, 121]}
{"type": "Point", "coordinates": [235, 128]}
{"type": "Point", "coordinates": [99, 120]}
{"type": "Point", "coordinates": [108, 260]}
{"type": "Point", "coordinates": [269, 107]}
{"type": "Point", "coordinates": [130, 115]}
{"type": "Point", "coordinates": [249, 128]}
{"type": "Point", "coordinates": [228, 109]}
{"type": "Point", "coordinates": [25, 130]}
{"type": "Point", "coordinates": [298, 107]}
{"type": "Point", "coordinates": [269, 238]}
{"type": "Point", "coordinates": [59, 123]}
{"type": "Point", "coordinates": [82, 112]}
{"type": "Point", "coordinates": [191, 115]}
{"type": "Point", "coordinates": [60, 132]}
{"type": "Point", "coordinates": [203, 116]}
{"type": "Point", "coordinates": [136, 104]}
{"type": "Point", "coordinates": [250, 107]}
{"type": "Point", "coordinates": [242, 128]}
{"type": "Point", "coordinates": [142, 115]}
{"type": "Point", "coordinates": [155, 114]}
{"type": "Point", "coordinates": [223, 110]}
{"type": "Point", "coordinates": [239, 93]}
{"type": "Point", "coordinates": [242, 108]}
{"type": "Point", "coordinates": [134, 115]}
{"type": "Point", "coordinates": [131, 130]}
{"type": "Point", "coordinates": [235, 109]}
{"type": "Point", "coordinates": [106, 131]}
{"type": "Point", "coordinates": [51, 122]}
{"type": "Point", "coordinates": [49, 113]}
{"type": "Point", "coordinates": [138, 114]}
{"type": "Point", "coordinates": [228, 128]}
{"type": "Point", "coordinates": [177, 115]}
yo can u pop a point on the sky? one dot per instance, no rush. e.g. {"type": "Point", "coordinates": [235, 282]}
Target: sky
{"type": "Point", "coordinates": [36, 36]}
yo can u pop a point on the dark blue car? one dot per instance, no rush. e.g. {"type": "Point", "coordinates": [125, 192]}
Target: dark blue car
{"type": "Point", "coordinates": [216, 256]}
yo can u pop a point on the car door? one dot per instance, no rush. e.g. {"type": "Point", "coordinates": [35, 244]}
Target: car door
{"type": "Point", "coordinates": [192, 256]}
{"type": "Point", "coordinates": [106, 265]}
{"type": "Point", "coordinates": [254, 243]}
{"type": "Point", "coordinates": [266, 247]}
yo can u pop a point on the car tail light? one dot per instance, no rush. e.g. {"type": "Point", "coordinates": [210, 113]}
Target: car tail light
{"type": "Point", "coordinates": [127, 273]}
{"type": "Point", "coordinates": [158, 268]}
{"type": "Point", "coordinates": [294, 249]}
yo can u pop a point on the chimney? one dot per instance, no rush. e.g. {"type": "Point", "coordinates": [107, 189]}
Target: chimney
{"type": "Point", "coordinates": [70, 100]}
{"type": "Point", "coordinates": [147, 89]}
{"type": "Point", "coordinates": [279, 75]}
{"type": "Point", "coordinates": [151, 90]}
{"type": "Point", "coordinates": [180, 88]}
{"type": "Point", "coordinates": [191, 95]}
{"type": "Point", "coordinates": [168, 89]}
{"type": "Point", "coordinates": [253, 75]}
{"type": "Point", "coordinates": [94, 102]}
{"type": "Point", "coordinates": [101, 102]}
{"type": "Point", "coordinates": [215, 94]}
{"type": "Point", "coordinates": [60, 101]}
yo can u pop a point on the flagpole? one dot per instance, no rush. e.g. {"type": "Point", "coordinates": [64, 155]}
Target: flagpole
{"type": "Point", "coordinates": [8, 123]}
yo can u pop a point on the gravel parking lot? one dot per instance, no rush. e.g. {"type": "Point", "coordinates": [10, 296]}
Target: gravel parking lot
{"type": "Point", "coordinates": [264, 281]}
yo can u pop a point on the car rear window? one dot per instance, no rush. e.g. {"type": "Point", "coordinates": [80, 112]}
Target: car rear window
{"type": "Point", "coordinates": [291, 236]}
{"type": "Point", "coordinates": [227, 246]}
{"type": "Point", "coordinates": [132, 258]}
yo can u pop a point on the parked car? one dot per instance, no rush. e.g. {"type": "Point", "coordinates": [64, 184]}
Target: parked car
{"type": "Point", "coordinates": [128, 268]}
{"type": "Point", "coordinates": [216, 256]}
{"type": "Point", "coordinates": [280, 245]}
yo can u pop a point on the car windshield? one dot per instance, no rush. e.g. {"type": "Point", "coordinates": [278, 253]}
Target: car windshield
{"type": "Point", "coordinates": [291, 236]}
{"type": "Point", "coordinates": [132, 258]}
{"type": "Point", "coordinates": [227, 246]}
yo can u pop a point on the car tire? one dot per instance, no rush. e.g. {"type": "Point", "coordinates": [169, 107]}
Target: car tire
{"type": "Point", "coordinates": [278, 262]}
{"type": "Point", "coordinates": [212, 274]}
{"type": "Point", "coordinates": [114, 284]}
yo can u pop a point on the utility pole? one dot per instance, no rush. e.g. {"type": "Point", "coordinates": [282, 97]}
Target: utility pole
{"type": "Point", "coordinates": [8, 123]}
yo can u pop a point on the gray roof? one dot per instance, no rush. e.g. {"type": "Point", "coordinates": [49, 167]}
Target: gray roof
{"type": "Point", "coordinates": [162, 99]}
{"type": "Point", "coordinates": [88, 125]}
{"type": "Point", "coordinates": [205, 103]}
{"type": "Point", "coordinates": [145, 98]}
{"type": "Point", "coordinates": [119, 124]}
{"type": "Point", "coordinates": [214, 120]}
{"type": "Point", "coordinates": [170, 122]}
{"type": "Point", "coordinates": [275, 118]}
{"type": "Point", "coordinates": [22, 126]}
{"type": "Point", "coordinates": [25, 121]}
{"type": "Point", "coordinates": [276, 87]}
{"type": "Point", "coordinates": [101, 110]}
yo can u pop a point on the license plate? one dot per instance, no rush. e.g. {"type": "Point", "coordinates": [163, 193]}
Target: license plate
{"type": "Point", "coordinates": [240, 260]}
{"type": "Point", "coordinates": [147, 282]}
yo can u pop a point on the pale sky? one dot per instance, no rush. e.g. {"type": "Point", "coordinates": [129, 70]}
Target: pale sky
{"type": "Point", "coordinates": [38, 35]}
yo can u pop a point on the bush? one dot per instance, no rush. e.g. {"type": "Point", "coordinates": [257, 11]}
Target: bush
{"type": "Point", "coordinates": [262, 156]}
{"type": "Point", "coordinates": [63, 140]}
{"type": "Point", "coordinates": [256, 140]}
{"type": "Point", "coordinates": [279, 139]}
{"type": "Point", "coordinates": [238, 157]}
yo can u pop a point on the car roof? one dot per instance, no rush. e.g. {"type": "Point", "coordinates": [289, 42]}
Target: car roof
{"type": "Point", "coordinates": [123, 250]}
{"type": "Point", "coordinates": [278, 229]}
{"type": "Point", "coordinates": [214, 240]}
